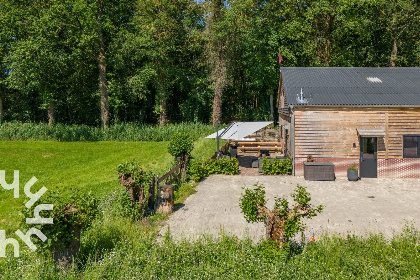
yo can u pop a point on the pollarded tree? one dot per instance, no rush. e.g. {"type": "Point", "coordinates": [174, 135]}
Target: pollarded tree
{"type": "Point", "coordinates": [283, 222]}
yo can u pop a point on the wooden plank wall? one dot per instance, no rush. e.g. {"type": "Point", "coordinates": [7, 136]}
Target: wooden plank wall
{"type": "Point", "coordinates": [323, 132]}
{"type": "Point", "coordinates": [401, 122]}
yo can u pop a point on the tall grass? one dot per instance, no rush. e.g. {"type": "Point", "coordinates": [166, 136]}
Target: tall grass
{"type": "Point", "coordinates": [119, 249]}
{"type": "Point", "coordinates": [17, 131]}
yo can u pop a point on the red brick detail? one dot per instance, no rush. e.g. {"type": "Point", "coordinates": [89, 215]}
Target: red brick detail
{"type": "Point", "coordinates": [399, 168]}
{"type": "Point", "coordinates": [387, 168]}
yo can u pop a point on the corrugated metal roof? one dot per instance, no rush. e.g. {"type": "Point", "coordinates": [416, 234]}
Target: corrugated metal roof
{"type": "Point", "coordinates": [239, 130]}
{"type": "Point", "coordinates": [371, 132]}
{"type": "Point", "coordinates": [351, 86]}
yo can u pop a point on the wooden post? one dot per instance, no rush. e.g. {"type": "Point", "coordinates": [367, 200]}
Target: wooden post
{"type": "Point", "coordinates": [151, 202]}
{"type": "Point", "coordinates": [165, 199]}
{"type": "Point", "coordinates": [184, 166]}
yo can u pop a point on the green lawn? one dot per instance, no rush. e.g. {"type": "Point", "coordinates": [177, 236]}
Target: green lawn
{"type": "Point", "coordinates": [88, 166]}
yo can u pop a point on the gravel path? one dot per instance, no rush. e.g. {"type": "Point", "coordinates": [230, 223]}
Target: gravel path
{"type": "Point", "coordinates": [362, 207]}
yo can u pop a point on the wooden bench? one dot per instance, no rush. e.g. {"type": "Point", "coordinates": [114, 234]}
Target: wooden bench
{"type": "Point", "coordinates": [245, 146]}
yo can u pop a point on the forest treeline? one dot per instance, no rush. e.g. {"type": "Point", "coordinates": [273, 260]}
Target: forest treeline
{"type": "Point", "coordinates": [99, 62]}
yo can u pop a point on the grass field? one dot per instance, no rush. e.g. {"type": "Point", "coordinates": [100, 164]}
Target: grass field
{"type": "Point", "coordinates": [87, 166]}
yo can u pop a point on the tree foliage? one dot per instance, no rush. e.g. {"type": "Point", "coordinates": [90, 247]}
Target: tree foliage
{"type": "Point", "coordinates": [283, 222]}
{"type": "Point", "coordinates": [180, 143]}
{"type": "Point", "coordinates": [93, 62]}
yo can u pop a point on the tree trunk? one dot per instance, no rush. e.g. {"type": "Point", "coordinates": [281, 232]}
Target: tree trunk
{"type": "Point", "coordinates": [151, 202]}
{"type": "Point", "coordinates": [271, 108]}
{"type": "Point", "coordinates": [162, 99]}
{"type": "Point", "coordinates": [51, 110]}
{"type": "Point", "coordinates": [217, 60]}
{"type": "Point", "coordinates": [135, 190]}
{"type": "Point", "coordinates": [162, 116]}
{"type": "Point", "coordinates": [1, 110]}
{"type": "Point", "coordinates": [219, 81]}
{"type": "Point", "coordinates": [217, 106]}
{"type": "Point", "coordinates": [394, 43]}
{"type": "Point", "coordinates": [64, 252]}
{"type": "Point", "coordinates": [165, 199]}
{"type": "Point", "coordinates": [102, 72]}
{"type": "Point", "coordinates": [274, 225]}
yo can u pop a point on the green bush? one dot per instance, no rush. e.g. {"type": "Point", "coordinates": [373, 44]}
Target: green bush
{"type": "Point", "coordinates": [197, 171]}
{"type": "Point", "coordinates": [222, 166]}
{"type": "Point", "coordinates": [63, 216]}
{"type": "Point", "coordinates": [180, 143]}
{"type": "Point", "coordinates": [277, 166]}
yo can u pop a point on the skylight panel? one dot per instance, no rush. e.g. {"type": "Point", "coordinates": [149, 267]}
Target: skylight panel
{"type": "Point", "coordinates": [374, 79]}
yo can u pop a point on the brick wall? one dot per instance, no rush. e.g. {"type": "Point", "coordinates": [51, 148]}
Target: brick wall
{"type": "Point", "coordinates": [391, 168]}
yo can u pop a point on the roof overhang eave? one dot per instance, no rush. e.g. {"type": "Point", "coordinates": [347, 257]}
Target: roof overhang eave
{"type": "Point", "coordinates": [362, 106]}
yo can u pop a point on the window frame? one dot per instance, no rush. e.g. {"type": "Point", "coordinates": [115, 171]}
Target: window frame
{"type": "Point", "coordinates": [418, 145]}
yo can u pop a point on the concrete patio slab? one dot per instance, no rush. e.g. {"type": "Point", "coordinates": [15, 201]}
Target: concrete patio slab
{"type": "Point", "coordinates": [366, 206]}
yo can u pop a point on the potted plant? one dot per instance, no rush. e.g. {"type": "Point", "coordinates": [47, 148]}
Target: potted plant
{"type": "Point", "coordinates": [353, 172]}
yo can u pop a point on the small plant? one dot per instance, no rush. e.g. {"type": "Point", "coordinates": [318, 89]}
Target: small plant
{"type": "Point", "coordinates": [277, 166]}
{"type": "Point", "coordinates": [283, 222]}
{"type": "Point", "coordinates": [353, 167]}
{"type": "Point", "coordinates": [180, 144]}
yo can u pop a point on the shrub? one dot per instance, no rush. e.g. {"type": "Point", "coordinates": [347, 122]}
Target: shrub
{"type": "Point", "coordinates": [180, 143]}
{"type": "Point", "coordinates": [197, 171]}
{"type": "Point", "coordinates": [77, 211]}
{"type": "Point", "coordinates": [277, 166]}
{"type": "Point", "coordinates": [222, 166]}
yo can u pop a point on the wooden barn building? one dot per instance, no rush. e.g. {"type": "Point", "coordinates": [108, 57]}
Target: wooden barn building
{"type": "Point", "coordinates": [366, 116]}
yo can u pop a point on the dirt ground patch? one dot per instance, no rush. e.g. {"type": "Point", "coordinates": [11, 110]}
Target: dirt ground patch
{"type": "Point", "coordinates": [366, 206]}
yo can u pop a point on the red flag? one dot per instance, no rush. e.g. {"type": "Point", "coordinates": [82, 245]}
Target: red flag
{"type": "Point", "coordinates": [280, 58]}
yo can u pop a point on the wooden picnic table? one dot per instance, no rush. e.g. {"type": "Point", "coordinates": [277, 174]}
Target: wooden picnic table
{"type": "Point", "coordinates": [258, 146]}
